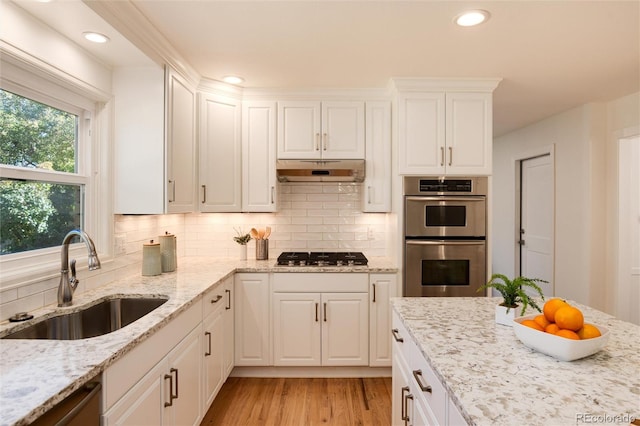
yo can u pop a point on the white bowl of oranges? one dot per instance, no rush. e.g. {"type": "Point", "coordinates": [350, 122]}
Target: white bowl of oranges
{"type": "Point", "coordinates": [560, 332]}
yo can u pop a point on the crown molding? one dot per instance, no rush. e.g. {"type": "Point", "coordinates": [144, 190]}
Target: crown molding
{"type": "Point", "coordinates": [408, 84]}
{"type": "Point", "coordinates": [127, 19]}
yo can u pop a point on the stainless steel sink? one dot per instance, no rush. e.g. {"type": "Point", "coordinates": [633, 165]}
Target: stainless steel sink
{"type": "Point", "coordinates": [95, 320]}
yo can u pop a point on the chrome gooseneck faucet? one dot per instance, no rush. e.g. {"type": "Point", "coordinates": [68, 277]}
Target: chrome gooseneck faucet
{"type": "Point", "coordinates": [69, 284]}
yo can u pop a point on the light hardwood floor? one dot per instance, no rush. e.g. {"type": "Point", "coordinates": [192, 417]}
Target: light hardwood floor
{"type": "Point", "coordinates": [301, 402]}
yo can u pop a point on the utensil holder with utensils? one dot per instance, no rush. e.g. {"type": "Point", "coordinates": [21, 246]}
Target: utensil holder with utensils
{"type": "Point", "coordinates": [262, 242]}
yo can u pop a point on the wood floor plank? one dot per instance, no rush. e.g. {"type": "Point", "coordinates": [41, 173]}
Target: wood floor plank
{"type": "Point", "coordinates": [302, 402]}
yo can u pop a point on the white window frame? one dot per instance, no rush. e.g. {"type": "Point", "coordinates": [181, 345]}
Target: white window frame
{"type": "Point", "coordinates": [17, 269]}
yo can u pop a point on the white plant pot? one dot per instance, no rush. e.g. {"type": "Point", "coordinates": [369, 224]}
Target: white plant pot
{"type": "Point", "coordinates": [242, 251]}
{"type": "Point", "coordinates": [503, 317]}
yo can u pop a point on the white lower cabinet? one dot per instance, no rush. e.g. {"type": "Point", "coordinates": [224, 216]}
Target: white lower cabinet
{"type": "Point", "coordinates": [228, 329]}
{"type": "Point", "coordinates": [313, 328]}
{"type": "Point", "coordinates": [213, 375]}
{"type": "Point", "coordinates": [382, 287]}
{"type": "Point", "coordinates": [252, 336]}
{"type": "Point", "coordinates": [419, 398]}
{"type": "Point", "coordinates": [169, 394]}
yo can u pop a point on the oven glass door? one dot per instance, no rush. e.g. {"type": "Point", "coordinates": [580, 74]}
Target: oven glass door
{"type": "Point", "coordinates": [445, 217]}
{"type": "Point", "coordinates": [444, 268]}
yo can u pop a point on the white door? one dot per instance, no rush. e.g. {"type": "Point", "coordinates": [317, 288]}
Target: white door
{"type": "Point", "coordinates": [251, 319]}
{"type": "Point", "coordinates": [298, 129]}
{"type": "Point", "coordinates": [296, 329]}
{"type": "Point", "coordinates": [628, 291]}
{"type": "Point", "coordinates": [185, 362]}
{"type": "Point", "coordinates": [345, 329]}
{"type": "Point", "coordinates": [536, 220]}
{"type": "Point", "coordinates": [212, 347]}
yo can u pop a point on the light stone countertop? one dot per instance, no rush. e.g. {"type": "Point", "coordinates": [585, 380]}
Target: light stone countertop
{"type": "Point", "coordinates": [37, 374]}
{"type": "Point", "coordinates": [493, 379]}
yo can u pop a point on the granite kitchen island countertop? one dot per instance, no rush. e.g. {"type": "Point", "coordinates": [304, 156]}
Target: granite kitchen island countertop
{"type": "Point", "coordinates": [37, 374]}
{"type": "Point", "coordinates": [493, 379]}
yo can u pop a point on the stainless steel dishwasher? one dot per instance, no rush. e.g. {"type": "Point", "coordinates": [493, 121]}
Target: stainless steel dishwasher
{"type": "Point", "coordinates": [81, 408]}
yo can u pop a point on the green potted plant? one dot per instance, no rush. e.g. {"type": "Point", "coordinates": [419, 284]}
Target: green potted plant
{"type": "Point", "coordinates": [243, 239]}
{"type": "Point", "coordinates": [513, 293]}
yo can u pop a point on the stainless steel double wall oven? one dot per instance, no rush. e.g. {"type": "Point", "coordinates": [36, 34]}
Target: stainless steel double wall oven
{"type": "Point", "coordinates": [445, 223]}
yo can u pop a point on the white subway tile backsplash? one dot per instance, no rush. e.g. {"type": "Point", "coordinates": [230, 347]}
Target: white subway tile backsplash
{"type": "Point", "coordinates": [310, 217]}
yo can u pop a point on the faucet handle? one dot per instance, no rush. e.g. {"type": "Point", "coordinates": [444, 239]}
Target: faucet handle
{"type": "Point", "coordinates": [72, 280]}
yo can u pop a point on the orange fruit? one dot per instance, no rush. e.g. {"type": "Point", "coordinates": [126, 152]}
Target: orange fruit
{"type": "Point", "coordinates": [551, 306]}
{"type": "Point", "coordinates": [542, 320]}
{"type": "Point", "coordinates": [568, 334]}
{"type": "Point", "coordinates": [532, 324]}
{"type": "Point", "coordinates": [552, 328]}
{"type": "Point", "coordinates": [570, 318]}
{"type": "Point", "coordinates": [589, 331]}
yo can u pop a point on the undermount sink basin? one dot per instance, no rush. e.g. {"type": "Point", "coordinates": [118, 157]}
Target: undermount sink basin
{"type": "Point", "coordinates": [95, 320]}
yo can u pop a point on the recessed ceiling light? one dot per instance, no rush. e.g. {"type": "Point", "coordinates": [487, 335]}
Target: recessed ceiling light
{"type": "Point", "coordinates": [95, 37]}
{"type": "Point", "coordinates": [471, 18]}
{"type": "Point", "coordinates": [232, 79]}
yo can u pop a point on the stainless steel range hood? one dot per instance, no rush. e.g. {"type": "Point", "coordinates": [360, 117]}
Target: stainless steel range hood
{"type": "Point", "coordinates": [320, 170]}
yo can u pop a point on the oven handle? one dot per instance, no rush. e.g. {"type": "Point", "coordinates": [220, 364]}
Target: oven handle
{"type": "Point", "coordinates": [447, 198]}
{"type": "Point", "coordinates": [444, 242]}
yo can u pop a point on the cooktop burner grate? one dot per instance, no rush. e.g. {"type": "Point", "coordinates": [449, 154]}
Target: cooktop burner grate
{"type": "Point", "coordinates": [322, 259]}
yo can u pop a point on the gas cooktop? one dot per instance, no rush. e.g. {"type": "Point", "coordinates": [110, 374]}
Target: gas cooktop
{"type": "Point", "coordinates": [322, 259]}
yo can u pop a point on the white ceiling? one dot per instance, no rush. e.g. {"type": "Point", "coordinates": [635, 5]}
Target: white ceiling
{"type": "Point", "coordinates": [551, 55]}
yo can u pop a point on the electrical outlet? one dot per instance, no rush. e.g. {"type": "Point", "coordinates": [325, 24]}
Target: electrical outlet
{"type": "Point", "coordinates": [120, 245]}
{"type": "Point", "coordinates": [370, 233]}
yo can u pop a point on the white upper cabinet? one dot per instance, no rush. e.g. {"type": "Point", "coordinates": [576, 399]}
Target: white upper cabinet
{"type": "Point", "coordinates": [220, 154]}
{"type": "Point", "coordinates": [154, 142]}
{"type": "Point", "coordinates": [321, 130]}
{"type": "Point", "coordinates": [181, 144]}
{"type": "Point", "coordinates": [377, 181]}
{"type": "Point", "coordinates": [258, 156]}
{"type": "Point", "coordinates": [445, 127]}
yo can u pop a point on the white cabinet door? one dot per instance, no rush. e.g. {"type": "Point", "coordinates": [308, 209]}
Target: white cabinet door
{"type": "Point", "coordinates": [259, 156]}
{"type": "Point", "coordinates": [213, 345]}
{"type": "Point", "coordinates": [421, 133]}
{"type": "Point", "coordinates": [181, 144]}
{"type": "Point", "coordinates": [252, 336]}
{"type": "Point", "coordinates": [469, 133]}
{"type": "Point", "coordinates": [143, 405]}
{"type": "Point", "coordinates": [296, 329]}
{"type": "Point", "coordinates": [377, 181]}
{"type": "Point", "coordinates": [382, 288]}
{"type": "Point", "coordinates": [228, 329]}
{"type": "Point", "coordinates": [185, 366]}
{"type": "Point", "coordinates": [343, 132]}
{"type": "Point", "coordinates": [220, 154]}
{"type": "Point", "coordinates": [299, 130]}
{"type": "Point", "coordinates": [345, 329]}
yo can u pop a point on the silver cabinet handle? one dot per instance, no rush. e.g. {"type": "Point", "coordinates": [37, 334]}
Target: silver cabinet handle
{"type": "Point", "coordinates": [403, 404]}
{"type": "Point", "coordinates": [228, 300]}
{"type": "Point", "coordinates": [324, 142]}
{"type": "Point", "coordinates": [369, 195]}
{"type": "Point", "coordinates": [417, 374]}
{"type": "Point", "coordinates": [317, 141]}
{"type": "Point", "coordinates": [374, 292]}
{"type": "Point", "coordinates": [316, 312]}
{"type": "Point", "coordinates": [325, 312]}
{"type": "Point", "coordinates": [173, 191]}
{"type": "Point", "coordinates": [208, 352]}
{"type": "Point", "coordinates": [450, 155]}
{"type": "Point", "coordinates": [406, 410]}
{"type": "Point", "coordinates": [394, 331]}
{"type": "Point", "coordinates": [170, 377]}
{"type": "Point", "coordinates": [204, 194]}
{"type": "Point", "coordinates": [217, 299]}
{"type": "Point", "coordinates": [441, 156]}
{"type": "Point", "coordinates": [273, 194]}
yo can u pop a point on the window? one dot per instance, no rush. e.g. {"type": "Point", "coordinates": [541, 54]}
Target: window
{"type": "Point", "coordinates": [41, 192]}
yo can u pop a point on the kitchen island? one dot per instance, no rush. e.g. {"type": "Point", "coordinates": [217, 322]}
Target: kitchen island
{"type": "Point", "coordinates": [37, 374]}
{"type": "Point", "coordinates": [493, 379]}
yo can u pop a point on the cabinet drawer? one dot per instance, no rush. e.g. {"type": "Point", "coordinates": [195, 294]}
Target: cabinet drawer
{"type": "Point", "coordinates": [321, 282]}
{"type": "Point", "coordinates": [214, 299]}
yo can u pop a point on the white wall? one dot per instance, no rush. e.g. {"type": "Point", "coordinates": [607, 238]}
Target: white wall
{"type": "Point", "coordinates": [582, 139]}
